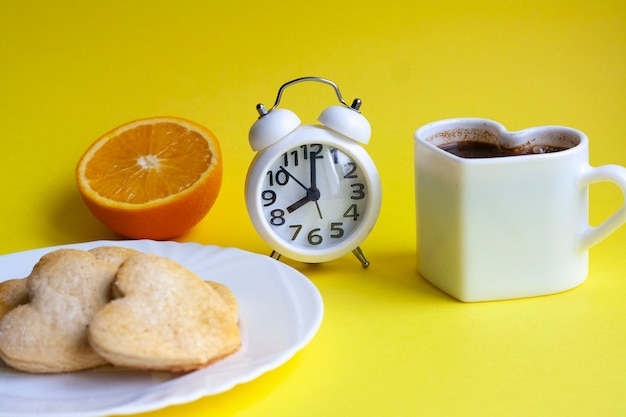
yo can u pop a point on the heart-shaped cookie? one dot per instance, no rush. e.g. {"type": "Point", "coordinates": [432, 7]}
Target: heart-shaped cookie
{"type": "Point", "coordinates": [113, 255]}
{"type": "Point", "coordinates": [12, 294]}
{"type": "Point", "coordinates": [228, 296]}
{"type": "Point", "coordinates": [166, 318]}
{"type": "Point", "coordinates": [48, 333]}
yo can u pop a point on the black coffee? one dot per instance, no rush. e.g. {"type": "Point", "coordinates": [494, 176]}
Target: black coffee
{"type": "Point", "coordinates": [476, 149]}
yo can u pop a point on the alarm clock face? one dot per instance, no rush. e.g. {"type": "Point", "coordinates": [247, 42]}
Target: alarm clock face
{"type": "Point", "coordinates": [313, 197]}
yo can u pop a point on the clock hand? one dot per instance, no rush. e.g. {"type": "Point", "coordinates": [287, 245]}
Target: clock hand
{"type": "Point", "coordinates": [312, 157]}
{"type": "Point", "coordinates": [318, 209]}
{"type": "Point", "coordinates": [311, 195]}
{"type": "Point", "coordinates": [289, 174]}
{"type": "Point", "coordinates": [295, 206]}
{"type": "Point", "coordinates": [313, 192]}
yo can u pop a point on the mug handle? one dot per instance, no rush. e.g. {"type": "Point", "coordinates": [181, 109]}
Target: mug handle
{"type": "Point", "coordinates": [610, 173]}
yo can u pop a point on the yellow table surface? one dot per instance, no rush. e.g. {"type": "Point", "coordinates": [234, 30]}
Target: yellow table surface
{"type": "Point", "coordinates": [390, 343]}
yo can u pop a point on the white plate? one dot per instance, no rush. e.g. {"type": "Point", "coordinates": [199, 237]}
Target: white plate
{"type": "Point", "coordinates": [280, 312]}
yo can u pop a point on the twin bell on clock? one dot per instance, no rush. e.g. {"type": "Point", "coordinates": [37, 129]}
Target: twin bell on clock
{"type": "Point", "coordinates": [312, 192]}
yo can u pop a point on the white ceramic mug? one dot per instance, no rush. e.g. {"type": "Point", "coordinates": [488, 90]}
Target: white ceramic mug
{"type": "Point", "coordinates": [494, 228]}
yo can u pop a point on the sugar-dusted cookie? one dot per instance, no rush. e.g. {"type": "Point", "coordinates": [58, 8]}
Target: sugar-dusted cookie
{"type": "Point", "coordinates": [114, 255]}
{"type": "Point", "coordinates": [228, 296]}
{"type": "Point", "coordinates": [12, 294]}
{"type": "Point", "coordinates": [166, 319]}
{"type": "Point", "coordinates": [48, 334]}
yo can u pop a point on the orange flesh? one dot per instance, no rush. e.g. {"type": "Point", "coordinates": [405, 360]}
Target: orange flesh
{"type": "Point", "coordinates": [130, 169]}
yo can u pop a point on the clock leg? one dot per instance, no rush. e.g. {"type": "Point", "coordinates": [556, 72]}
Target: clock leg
{"type": "Point", "coordinates": [275, 255]}
{"type": "Point", "coordinates": [359, 254]}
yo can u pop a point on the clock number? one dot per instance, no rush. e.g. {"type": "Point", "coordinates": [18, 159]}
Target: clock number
{"type": "Point", "coordinates": [292, 158]}
{"type": "Point", "coordinates": [294, 154]}
{"type": "Point", "coordinates": [335, 230]}
{"type": "Point", "coordinates": [298, 227]}
{"type": "Point", "coordinates": [357, 191]}
{"type": "Point", "coordinates": [318, 148]}
{"type": "Point", "coordinates": [349, 169]}
{"type": "Point", "coordinates": [281, 177]}
{"type": "Point", "coordinates": [352, 213]}
{"type": "Point", "coordinates": [269, 197]}
{"type": "Point", "coordinates": [278, 217]}
{"type": "Point", "coordinates": [314, 238]}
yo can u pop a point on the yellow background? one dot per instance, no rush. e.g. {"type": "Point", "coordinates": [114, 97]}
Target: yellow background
{"type": "Point", "coordinates": [390, 343]}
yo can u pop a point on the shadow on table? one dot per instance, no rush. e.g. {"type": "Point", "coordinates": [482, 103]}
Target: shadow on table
{"type": "Point", "coordinates": [389, 275]}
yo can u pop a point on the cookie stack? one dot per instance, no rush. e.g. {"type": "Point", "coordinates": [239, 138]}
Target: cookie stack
{"type": "Point", "coordinates": [111, 305]}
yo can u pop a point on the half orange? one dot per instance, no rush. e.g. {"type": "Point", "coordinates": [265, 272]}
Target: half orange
{"type": "Point", "coordinates": [151, 178]}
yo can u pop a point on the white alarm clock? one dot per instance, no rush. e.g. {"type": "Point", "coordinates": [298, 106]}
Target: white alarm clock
{"type": "Point", "coordinates": [312, 192]}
